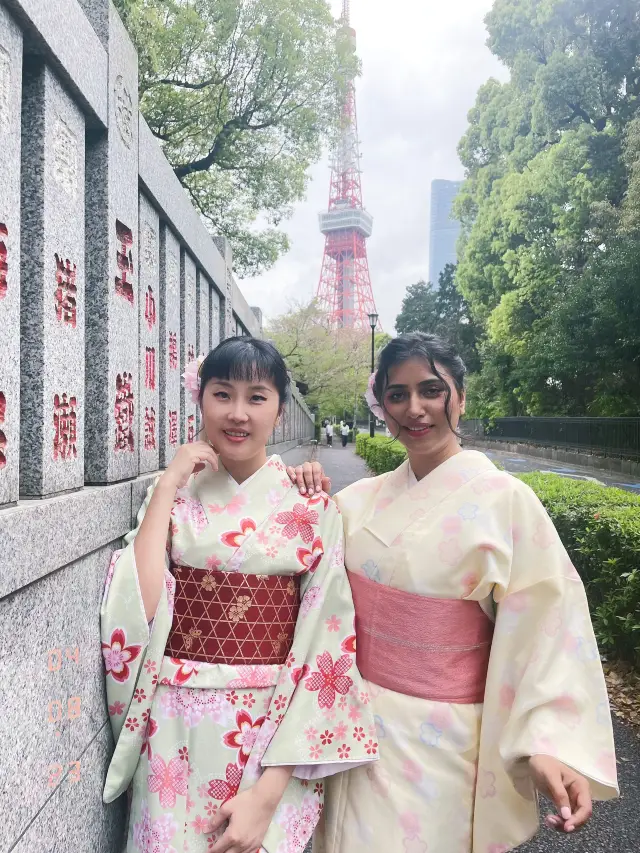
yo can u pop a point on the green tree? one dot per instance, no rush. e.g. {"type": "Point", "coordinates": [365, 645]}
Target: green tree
{"type": "Point", "coordinates": [242, 95]}
{"type": "Point", "coordinates": [333, 364]}
{"type": "Point", "coordinates": [442, 312]}
{"type": "Point", "coordinates": [548, 164]}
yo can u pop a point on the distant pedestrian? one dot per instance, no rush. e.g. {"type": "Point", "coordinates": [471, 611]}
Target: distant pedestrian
{"type": "Point", "coordinates": [344, 432]}
{"type": "Point", "coordinates": [329, 433]}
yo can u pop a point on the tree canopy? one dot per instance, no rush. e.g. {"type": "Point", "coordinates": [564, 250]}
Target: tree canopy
{"type": "Point", "coordinates": [441, 311]}
{"type": "Point", "coordinates": [549, 260]}
{"type": "Point", "coordinates": [333, 364]}
{"type": "Point", "coordinates": [242, 95]}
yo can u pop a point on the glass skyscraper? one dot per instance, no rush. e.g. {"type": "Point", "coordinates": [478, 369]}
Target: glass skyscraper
{"type": "Point", "coordinates": [443, 231]}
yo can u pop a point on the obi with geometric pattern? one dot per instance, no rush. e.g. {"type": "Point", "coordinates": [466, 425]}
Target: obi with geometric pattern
{"type": "Point", "coordinates": [233, 618]}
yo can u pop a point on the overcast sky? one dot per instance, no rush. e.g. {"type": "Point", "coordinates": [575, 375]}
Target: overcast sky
{"type": "Point", "coordinates": [423, 62]}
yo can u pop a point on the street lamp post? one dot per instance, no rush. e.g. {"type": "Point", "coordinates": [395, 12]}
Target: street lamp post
{"type": "Point", "coordinates": [373, 322]}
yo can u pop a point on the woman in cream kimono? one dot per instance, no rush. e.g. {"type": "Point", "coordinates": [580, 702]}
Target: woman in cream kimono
{"type": "Point", "coordinates": [474, 635]}
{"type": "Point", "coordinates": [228, 636]}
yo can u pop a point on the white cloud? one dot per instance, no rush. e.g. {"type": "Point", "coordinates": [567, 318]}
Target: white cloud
{"type": "Point", "coordinates": [423, 63]}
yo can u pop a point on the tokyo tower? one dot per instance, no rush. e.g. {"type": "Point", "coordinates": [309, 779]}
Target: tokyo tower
{"type": "Point", "coordinates": [344, 291]}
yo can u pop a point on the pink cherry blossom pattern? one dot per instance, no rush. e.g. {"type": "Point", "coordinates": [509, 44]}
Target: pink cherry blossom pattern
{"type": "Point", "coordinates": [225, 789]}
{"type": "Point", "coordinates": [235, 538]}
{"type": "Point", "coordinates": [298, 522]}
{"type": "Point", "coordinates": [243, 737]}
{"type": "Point", "coordinates": [167, 780]}
{"type": "Point", "coordinates": [118, 655]}
{"type": "Point", "coordinates": [330, 678]}
{"type": "Point", "coordinates": [310, 559]}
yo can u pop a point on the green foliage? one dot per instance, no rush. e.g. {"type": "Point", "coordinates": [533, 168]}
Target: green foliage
{"type": "Point", "coordinates": [381, 454]}
{"type": "Point", "coordinates": [333, 364]}
{"type": "Point", "coordinates": [599, 527]}
{"type": "Point", "coordinates": [442, 311]}
{"type": "Point", "coordinates": [242, 95]}
{"type": "Point", "coordinates": [550, 253]}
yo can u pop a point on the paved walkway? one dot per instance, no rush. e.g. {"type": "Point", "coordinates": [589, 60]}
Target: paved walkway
{"type": "Point", "coordinates": [615, 826]}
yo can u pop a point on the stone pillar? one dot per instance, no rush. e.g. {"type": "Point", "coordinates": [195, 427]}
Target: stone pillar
{"type": "Point", "coordinates": [112, 409]}
{"type": "Point", "coordinates": [227, 322]}
{"type": "Point", "coordinates": [203, 313]}
{"type": "Point", "coordinates": [149, 320]}
{"type": "Point", "coordinates": [215, 318]}
{"type": "Point", "coordinates": [188, 335]}
{"type": "Point", "coordinates": [169, 346]}
{"type": "Point", "coordinates": [52, 296]}
{"type": "Point", "coordinates": [10, 92]}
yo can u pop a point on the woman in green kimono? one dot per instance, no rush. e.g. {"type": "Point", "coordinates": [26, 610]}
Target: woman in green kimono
{"type": "Point", "coordinates": [228, 635]}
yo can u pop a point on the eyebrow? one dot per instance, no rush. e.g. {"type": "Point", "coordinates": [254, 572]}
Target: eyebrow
{"type": "Point", "coordinates": [229, 384]}
{"type": "Point", "coordinates": [433, 381]}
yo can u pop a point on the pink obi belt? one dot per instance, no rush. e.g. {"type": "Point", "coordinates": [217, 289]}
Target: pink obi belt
{"type": "Point", "coordinates": [432, 648]}
{"type": "Point", "coordinates": [233, 618]}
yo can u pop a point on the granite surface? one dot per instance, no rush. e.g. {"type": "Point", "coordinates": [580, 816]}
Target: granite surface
{"type": "Point", "coordinates": [188, 340]}
{"type": "Point", "coordinates": [52, 298]}
{"type": "Point", "coordinates": [61, 32]}
{"type": "Point", "coordinates": [215, 318]}
{"type": "Point", "coordinates": [40, 536]}
{"type": "Point", "coordinates": [149, 324]}
{"type": "Point", "coordinates": [10, 137]}
{"type": "Point", "coordinates": [169, 352]}
{"type": "Point", "coordinates": [61, 707]}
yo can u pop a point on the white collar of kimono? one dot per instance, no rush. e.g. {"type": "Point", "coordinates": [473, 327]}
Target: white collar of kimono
{"type": "Point", "coordinates": [239, 486]}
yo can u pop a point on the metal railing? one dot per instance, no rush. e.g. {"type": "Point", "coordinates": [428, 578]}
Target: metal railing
{"type": "Point", "coordinates": [603, 436]}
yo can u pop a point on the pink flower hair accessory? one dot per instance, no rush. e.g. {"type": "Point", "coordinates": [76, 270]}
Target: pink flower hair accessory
{"type": "Point", "coordinates": [191, 378]}
{"type": "Point", "coordinates": [370, 397]}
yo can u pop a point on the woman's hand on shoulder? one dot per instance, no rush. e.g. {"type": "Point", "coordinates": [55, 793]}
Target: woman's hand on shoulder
{"type": "Point", "coordinates": [190, 459]}
{"type": "Point", "coordinates": [566, 788]}
{"type": "Point", "coordinates": [309, 478]}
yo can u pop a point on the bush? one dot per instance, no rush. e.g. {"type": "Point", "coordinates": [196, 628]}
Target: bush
{"type": "Point", "coordinates": [600, 528]}
{"type": "Point", "coordinates": [381, 454]}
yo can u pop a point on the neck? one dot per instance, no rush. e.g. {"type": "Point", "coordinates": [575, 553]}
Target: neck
{"type": "Point", "coordinates": [242, 469]}
{"type": "Point", "coordinates": [423, 463]}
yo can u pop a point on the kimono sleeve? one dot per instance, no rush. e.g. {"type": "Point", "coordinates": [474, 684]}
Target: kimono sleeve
{"type": "Point", "coordinates": [125, 632]}
{"type": "Point", "coordinates": [546, 692]}
{"type": "Point", "coordinates": [320, 707]}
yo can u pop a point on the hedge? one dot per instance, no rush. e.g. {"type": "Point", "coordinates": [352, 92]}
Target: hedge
{"type": "Point", "coordinates": [600, 528]}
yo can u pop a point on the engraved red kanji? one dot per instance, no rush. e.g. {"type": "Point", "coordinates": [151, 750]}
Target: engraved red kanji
{"type": "Point", "coordinates": [123, 412]}
{"type": "Point", "coordinates": [66, 292]}
{"type": "Point", "coordinates": [4, 268]}
{"type": "Point", "coordinates": [173, 350]}
{"type": "Point", "coordinates": [150, 368]}
{"type": "Point", "coordinates": [3, 437]}
{"type": "Point", "coordinates": [191, 428]}
{"type": "Point", "coordinates": [191, 352]}
{"type": "Point", "coordinates": [150, 308]}
{"type": "Point", "coordinates": [124, 286]}
{"type": "Point", "coordinates": [65, 429]}
{"type": "Point", "coordinates": [149, 429]}
{"type": "Point", "coordinates": [173, 428]}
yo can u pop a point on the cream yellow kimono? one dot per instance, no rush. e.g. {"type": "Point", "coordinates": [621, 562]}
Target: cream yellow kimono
{"type": "Point", "coordinates": [190, 735]}
{"type": "Point", "coordinates": [449, 778]}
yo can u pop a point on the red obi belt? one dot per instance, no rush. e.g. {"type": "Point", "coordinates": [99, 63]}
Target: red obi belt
{"type": "Point", "coordinates": [233, 618]}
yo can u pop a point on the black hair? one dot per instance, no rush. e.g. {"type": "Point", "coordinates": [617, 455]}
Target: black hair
{"type": "Point", "coordinates": [246, 359]}
{"type": "Point", "coordinates": [429, 348]}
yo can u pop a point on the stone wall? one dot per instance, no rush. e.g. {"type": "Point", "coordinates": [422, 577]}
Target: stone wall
{"type": "Point", "coordinates": [109, 284]}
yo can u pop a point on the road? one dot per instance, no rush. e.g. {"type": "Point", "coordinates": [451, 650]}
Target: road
{"type": "Point", "coordinates": [615, 826]}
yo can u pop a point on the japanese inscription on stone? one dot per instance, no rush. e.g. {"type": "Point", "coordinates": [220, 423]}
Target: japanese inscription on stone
{"type": "Point", "coordinates": [65, 433]}
{"type": "Point", "coordinates": [124, 283]}
{"type": "Point", "coordinates": [65, 157]}
{"type": "Point", "coordinates": [66, 291]}
{"type": "Point", "coordinates": [124, 412]}
{"type": "Point", "coordinates": [124, 111]}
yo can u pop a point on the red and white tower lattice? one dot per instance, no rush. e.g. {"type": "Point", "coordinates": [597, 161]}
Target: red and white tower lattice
{"type": "Point", "coordinates": [344, 291]}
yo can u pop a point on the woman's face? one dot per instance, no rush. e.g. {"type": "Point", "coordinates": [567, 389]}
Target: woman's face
{"type": "Point", "coordinates": [239, 416]}
{"type": "Point", "coordinates": [414, 404]}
